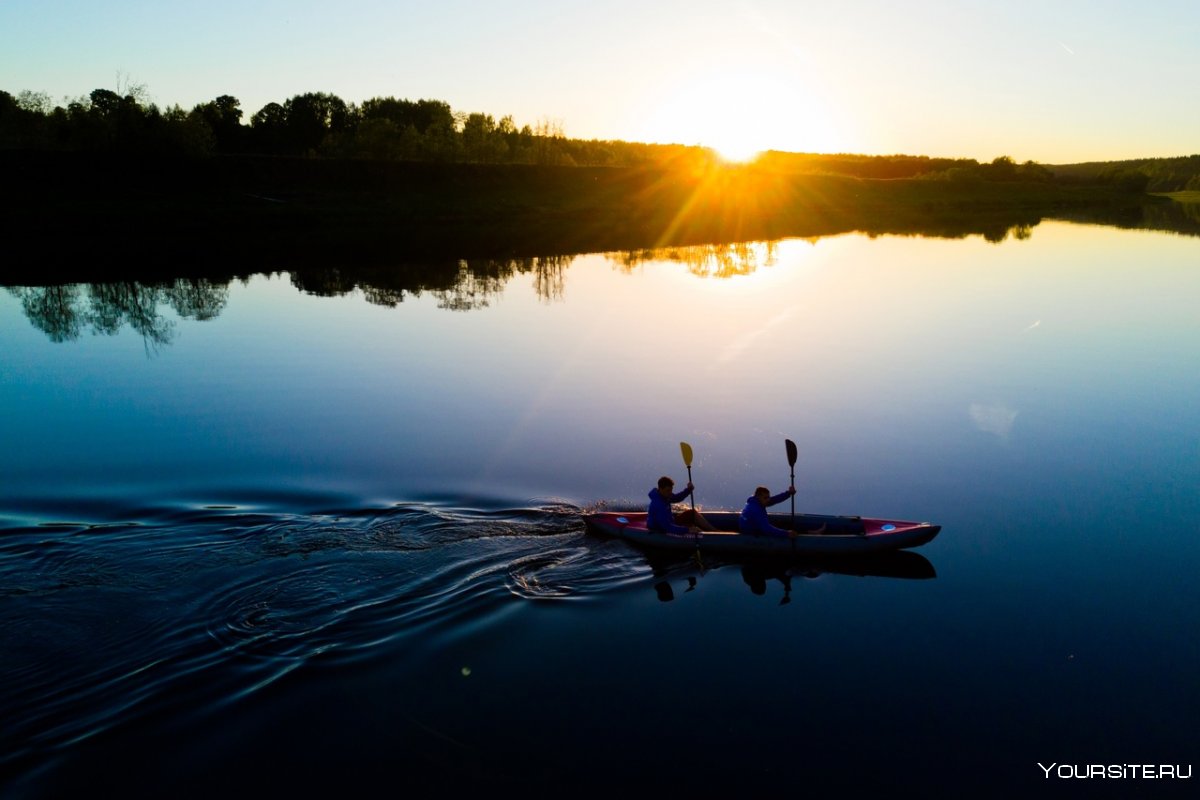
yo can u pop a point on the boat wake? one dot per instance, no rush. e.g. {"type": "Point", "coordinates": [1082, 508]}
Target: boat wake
{"type": "Point", "coordinates": [187, 610]}
{"type": "Point", "coordinates": [180, 613]}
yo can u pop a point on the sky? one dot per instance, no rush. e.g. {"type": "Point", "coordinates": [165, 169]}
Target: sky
{"type": "Point", "coordinates": [1055, 81]}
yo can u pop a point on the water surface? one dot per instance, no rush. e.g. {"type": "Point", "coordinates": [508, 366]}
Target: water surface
{"type": "Point", "coordinates": [303, 530]}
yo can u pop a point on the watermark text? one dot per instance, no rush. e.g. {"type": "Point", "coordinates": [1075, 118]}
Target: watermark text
{"type": "Point", "coordinates": [1118, 771]}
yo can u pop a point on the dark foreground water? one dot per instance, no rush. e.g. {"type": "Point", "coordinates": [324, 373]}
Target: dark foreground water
{"type": "Point", "coordinates": [261, 541]}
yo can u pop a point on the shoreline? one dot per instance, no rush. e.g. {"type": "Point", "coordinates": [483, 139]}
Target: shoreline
{"type": "Point", "coordinates": [93, 215]}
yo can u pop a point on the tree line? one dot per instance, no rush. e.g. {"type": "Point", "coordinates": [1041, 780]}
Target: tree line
{"type": "Point", "coordinates": [1152, 174]}
{"type": "Point", "coordinates": [323, 125]}
{"type": "Point", "coordinates": [313, 124]}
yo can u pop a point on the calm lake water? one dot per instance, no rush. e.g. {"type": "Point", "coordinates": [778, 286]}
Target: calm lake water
{"type": "Point", "coordinates": [257, 539]}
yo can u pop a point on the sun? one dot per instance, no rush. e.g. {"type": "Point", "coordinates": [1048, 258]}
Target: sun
{"type": "Point", "coordinates": [740, 113]}
{"type": "Point", "coordinates": [739, 151]}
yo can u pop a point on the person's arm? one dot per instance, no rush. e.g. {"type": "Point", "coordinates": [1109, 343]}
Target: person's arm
{"type": "Point", "coordinates": [675, 498]}
{"type": "Point", "coordinates": [779, 498]}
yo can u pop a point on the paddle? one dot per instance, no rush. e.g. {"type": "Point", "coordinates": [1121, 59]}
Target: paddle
{"type": "Point", "coordinates": [686, 450]}
{"type": "Point", "coordinates": [791, 456]}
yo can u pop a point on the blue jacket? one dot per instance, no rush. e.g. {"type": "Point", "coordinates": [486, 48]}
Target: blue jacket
{"type": "Point", "coordinates": [754, 519]}
{"type": "Point", "coordinates": [659, 517]}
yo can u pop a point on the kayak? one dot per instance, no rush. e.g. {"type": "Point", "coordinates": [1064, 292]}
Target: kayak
{"type": "Point", "coordinates": [816, 534]}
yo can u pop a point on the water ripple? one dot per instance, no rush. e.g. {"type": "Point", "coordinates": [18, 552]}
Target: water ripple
{"type": "Point", "coordinates": [180, 610]}
{"type": "Point", "coordinates": [571, 572]}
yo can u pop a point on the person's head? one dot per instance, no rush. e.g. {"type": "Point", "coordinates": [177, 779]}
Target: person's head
{"type": "Point", "coordinates": [762, 494]}
{"type": "Point", "coordinates": [666, 485]}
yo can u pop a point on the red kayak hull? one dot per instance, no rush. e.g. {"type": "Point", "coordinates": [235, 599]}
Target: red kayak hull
{"type": "Point", "coordinates": [816, 534]}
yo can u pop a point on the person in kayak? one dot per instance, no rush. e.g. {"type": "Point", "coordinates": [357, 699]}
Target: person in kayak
{"type": "Point", "coordinates": [659, 517]}
{"type": "Point", "coordinates": [754, 520]}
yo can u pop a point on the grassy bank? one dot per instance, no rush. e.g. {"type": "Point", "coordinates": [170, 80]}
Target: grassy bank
{"type": "Point", "coordinates": [87, 213]}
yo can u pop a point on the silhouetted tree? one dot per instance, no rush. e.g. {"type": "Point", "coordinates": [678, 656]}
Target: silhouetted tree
{"type": "Point", "coordinates": [313, 118]}
{"type": "Point", "coordinates": [223, 116]}
{"type": "Point", "coordinates": [12, 121]}
{"type": "Point", "coordinates": [482, 140]}
{"type": "Point", "coordinates": [549, 143]}
{"type": "Point", "coordinates": [420, 114]}
{"type": "Point", "coordinates": [1032, 171]}
{"type": "Point", "coordinates": [268, 129]}
{"type": "Point", "coordinates": [1002, 168]}
{"type": "Point", "coordinates": [441, 141]}
{"type": "Point", "coordinates": [380, 138]}
{"type": "Point", "coordinates": [183, 133]}
{"type": "Point", "coordinates": [105, 103]}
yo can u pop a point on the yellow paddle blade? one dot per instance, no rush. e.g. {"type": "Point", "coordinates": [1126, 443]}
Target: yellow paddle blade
{"type": "Point", "coordinates": [686, 449]}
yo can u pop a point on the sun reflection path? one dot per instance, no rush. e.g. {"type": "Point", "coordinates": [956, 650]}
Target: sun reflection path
{"type": "Point", "coordinates": [704, 261]}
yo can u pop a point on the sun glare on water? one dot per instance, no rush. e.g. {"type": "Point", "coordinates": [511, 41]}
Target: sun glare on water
{"type": "Point", "coordinates": [741, 113]}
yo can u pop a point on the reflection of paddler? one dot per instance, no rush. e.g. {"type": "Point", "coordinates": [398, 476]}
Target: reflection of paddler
{"type": "Point", "coordinates": [902, 564]}
{"type": "Point", "coordinates": [756, 578]}
{"type": "Point", "coordinates": [666, 594]}
{"type": "Point", "coordinates": [659, 517]}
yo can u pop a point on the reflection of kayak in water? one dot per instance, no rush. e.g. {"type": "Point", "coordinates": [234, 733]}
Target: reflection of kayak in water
{"type": "Point", "coordinates": [817, 534]}
{"type": "Point", "coordinates": [892, 564]}
{"type": "Point", "coordinates": [759, 571]}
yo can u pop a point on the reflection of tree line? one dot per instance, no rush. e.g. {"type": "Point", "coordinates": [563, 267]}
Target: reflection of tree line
{"type": "Point", "coordinates": [705, 261]}
{"type": "Point", "coordinates": [467, 284]}
{"type": "Point", "coordinates": [66, 312]}
{"type": "Point", "coordinates": [1176, 217]}
{"type": "Point", "coordinates": [63, 313]}
{"type": "Point", "coordinates": [459, 285]}
{"type": "Point", "coordinates": [1171, 217]}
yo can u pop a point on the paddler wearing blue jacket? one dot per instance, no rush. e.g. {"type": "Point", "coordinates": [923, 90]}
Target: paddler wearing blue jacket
{"type": "Point", "coordinates": [754, 520]}
{"type": "Point", "coordinates": [659, 517]}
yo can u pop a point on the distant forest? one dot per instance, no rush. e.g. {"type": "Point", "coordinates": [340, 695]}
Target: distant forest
{"type": "Point", "coordinates": [318, 124]}
{"type": "Point", "coordinates": [322, 125]}
{"type": "Point", "coordinates": [311, 125]}
{"type": "Point", "coordinates": [1161, 174]}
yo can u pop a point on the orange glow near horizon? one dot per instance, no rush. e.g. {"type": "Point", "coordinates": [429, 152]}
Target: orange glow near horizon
{"type": "Point", "coordinates": [740, 113]}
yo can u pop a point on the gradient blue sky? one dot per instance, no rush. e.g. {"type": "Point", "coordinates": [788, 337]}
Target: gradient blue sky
{"type": "Point", "coordinates": [1052, 81]}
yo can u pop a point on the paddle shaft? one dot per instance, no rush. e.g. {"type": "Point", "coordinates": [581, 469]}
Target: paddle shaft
{"type": "Point", "coordinates": [689, 466]}
{"type": "Point", "coordinates": [793, 498]}
{"type": "Point", "coordinates": [790, 447]}
{"type": "Point", "coordinates": [685, 450]}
